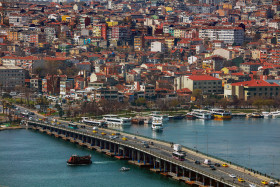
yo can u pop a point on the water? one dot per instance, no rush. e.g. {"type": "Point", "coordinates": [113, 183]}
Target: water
{"type": "Point", "coordinates": [254, 143]}
{"type": "Point", "coordinates": [29, 158]}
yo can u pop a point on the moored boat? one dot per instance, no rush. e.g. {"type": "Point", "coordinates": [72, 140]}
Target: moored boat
{"type": "Point", "coordinates": [190, 116]}
{"type": "Point", "coordinates": [275, 114]}
{"type": "Point", "coordinates": [220, 113]}
{"type": "Point", "coordinates": [267, 114]}
{"type": "Point", "coordinates": [255, 115]}
{"type": "Point", "coordinates": [202, 114]}
{"type": "Point", "coordinates": [114, 120]}
{"type": "Point", "coordinates": [75, 160]}
{"type": "Point", "coordinates": [157, 124]}
{"type": "Point", "coordinates": [178, 117]}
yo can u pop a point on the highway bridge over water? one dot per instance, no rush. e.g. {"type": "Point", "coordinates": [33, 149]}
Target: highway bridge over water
{"type": "Point", "coordinates": [157, 157]}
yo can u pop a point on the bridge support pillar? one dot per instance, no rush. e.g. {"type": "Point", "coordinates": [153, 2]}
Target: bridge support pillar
{"type": "Point", "coordinates": [196, 177]}
{"type": "Point", "coordinates": [217, 184]}
{"type": "Point", "coordinates": [115, 149]}
{"type": "Point", "coordinates": [100, 144]}
{"type": "Point", "coordinates": [170, 167]}
{"type": "Point", "coordinates": [177, 170]}
{"type": "Point", "coordinates": [144, 158]}
{"type": "Point", "coordinates": [203, 180]}
{"type": "Point", "coordinates": [154, 164]}
{"type": "Point", "coordinates": [138, 156]}
{"type": "Point", "coordinates": [123, 152]}
{"type": "Point", "coordinates": [159, 165]}
{"type": "Point", "coordinates": [110, 147]}
{"type": "Point", "coordinates": [183, 172]}
{"type": "Point", "coordinates": [210, 182]}
{"type": "Point", "coordinates": [132, 155]}
{"type": "Point", "coordinates": [164, 166]}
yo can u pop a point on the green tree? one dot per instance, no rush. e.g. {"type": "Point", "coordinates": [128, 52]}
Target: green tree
{"type": "Point", "coordinates": [258, 103]}
{"type": "Point", "coordinates": [274, 40]}
{"type": "Point", "coordinates": [140, 101]}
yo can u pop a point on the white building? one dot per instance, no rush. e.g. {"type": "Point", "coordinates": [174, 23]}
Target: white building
{"type": "Point", "coordinates": [229, 35]}
{"type": "Point", "coordinates": [192, 59]}
{"type": "Point", "coordinates": [157, 47]}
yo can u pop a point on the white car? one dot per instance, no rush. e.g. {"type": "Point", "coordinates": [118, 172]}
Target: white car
{"type": "Point", "coordinates": [232, 175]}
{"type": "Point", "coordinates": [252, 185]}
{"type": "Point", "coordinates": [272, 183]}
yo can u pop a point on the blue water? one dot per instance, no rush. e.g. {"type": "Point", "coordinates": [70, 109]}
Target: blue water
{"type": "Point", "coordinates": [29, 158]}
{"type": "Point", "coordinates": [254, 143]}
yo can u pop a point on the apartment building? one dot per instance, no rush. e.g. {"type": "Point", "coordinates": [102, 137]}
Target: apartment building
{"type": "Point", "coordinates": [230, 35]}
{"type": "Point", "coordinates": [11, 76]}
{"type": "Point", "coordinates": [207, 84]}
{"type": "Point", "coordinates": [249, 89]}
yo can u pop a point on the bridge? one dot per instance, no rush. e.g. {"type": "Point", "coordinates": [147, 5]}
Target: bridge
{"type": "Point", "coordinates": [157, 156]}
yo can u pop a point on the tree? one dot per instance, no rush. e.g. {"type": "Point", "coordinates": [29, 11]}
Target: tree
{"type": "Point", "coordinates": [140, 101]}
{"type": "Point", "coordinates": [223, 103]}
{"type": "Point", "coordinates": [197, 93]}
{"type": "Point", "coordinates": [258, 103]}
{"type": "Point", "coordinates": [60, 113]}
{"type": "Point", "coordinates": [274, 40]}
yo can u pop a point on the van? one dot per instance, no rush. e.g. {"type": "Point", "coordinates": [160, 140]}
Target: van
{"type": "Point", "coordinates": [207, 161]}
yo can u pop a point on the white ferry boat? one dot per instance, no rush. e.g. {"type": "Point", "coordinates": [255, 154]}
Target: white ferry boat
{"type": "Point", "coordinates": [161, 116]}
{"type": "Point", "coordinates": [267, 114]}
{"type": "Point", "coordinates": [275, 114]}
{"type": "Point", "coordinates": [220, 113]}
{"type": "Point", "coordinates": [202, 114]}
{"type": "Point", "coordinates": [91, 122]}
{"type": "Point", "coordinates": [157, 124]}
{"type": "Point", "coordinates": [114, 120]}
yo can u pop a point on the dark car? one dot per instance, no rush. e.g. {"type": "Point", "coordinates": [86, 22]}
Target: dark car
{"type": "Point", "coordinates": [217, 165]}
{"type": "Point", "coordinates": [197, 162]}
{"type": "Point", "coordinates": [212, 168]}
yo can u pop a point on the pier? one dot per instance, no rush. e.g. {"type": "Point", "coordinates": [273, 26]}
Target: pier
{"type": "Point", "coordinates": [157, 157]}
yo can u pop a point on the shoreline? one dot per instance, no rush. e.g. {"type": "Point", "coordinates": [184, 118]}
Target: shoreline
{"type": "Point", "coordinates": [11, 128]}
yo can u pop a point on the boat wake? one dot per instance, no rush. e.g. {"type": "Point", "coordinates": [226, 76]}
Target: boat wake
{"type": "Point", "coordinates": [105, 162]}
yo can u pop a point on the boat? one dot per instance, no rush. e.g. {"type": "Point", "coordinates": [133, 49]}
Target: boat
{"type": "Point", "coordinates": [158, 115]}
{"type": "Point", "coordinates": [137, 120]}
{"type": "Point", "coordinates": [157, 124]}
{"type": "Point", "coordinates": [179, 116]}
{"type": "Point", "coordinates": [267, 114]}
{"type": "Point", "coordinates": [220, 113]}
{"type": "Point", "coordinates": [275, 114]}
{"type": "Point", "coordinates": [190, 116]}
{"type": "Point", "coordinates": [148, 120]}
{"type": "Point", "coordinates": [124, 169]}
{"type": "Point", "coordinates": [88, 121]}
{"type": "Point", "coordinates": [255, 115]}
{"type": "Point", "coordinates": [170, 117]}
{"type": "Point", "coordinates": [114, 120]}
{"type": "Point", "coordinates": [202, 114]}
{"type": "Point", "coordinates": [75, 160]}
